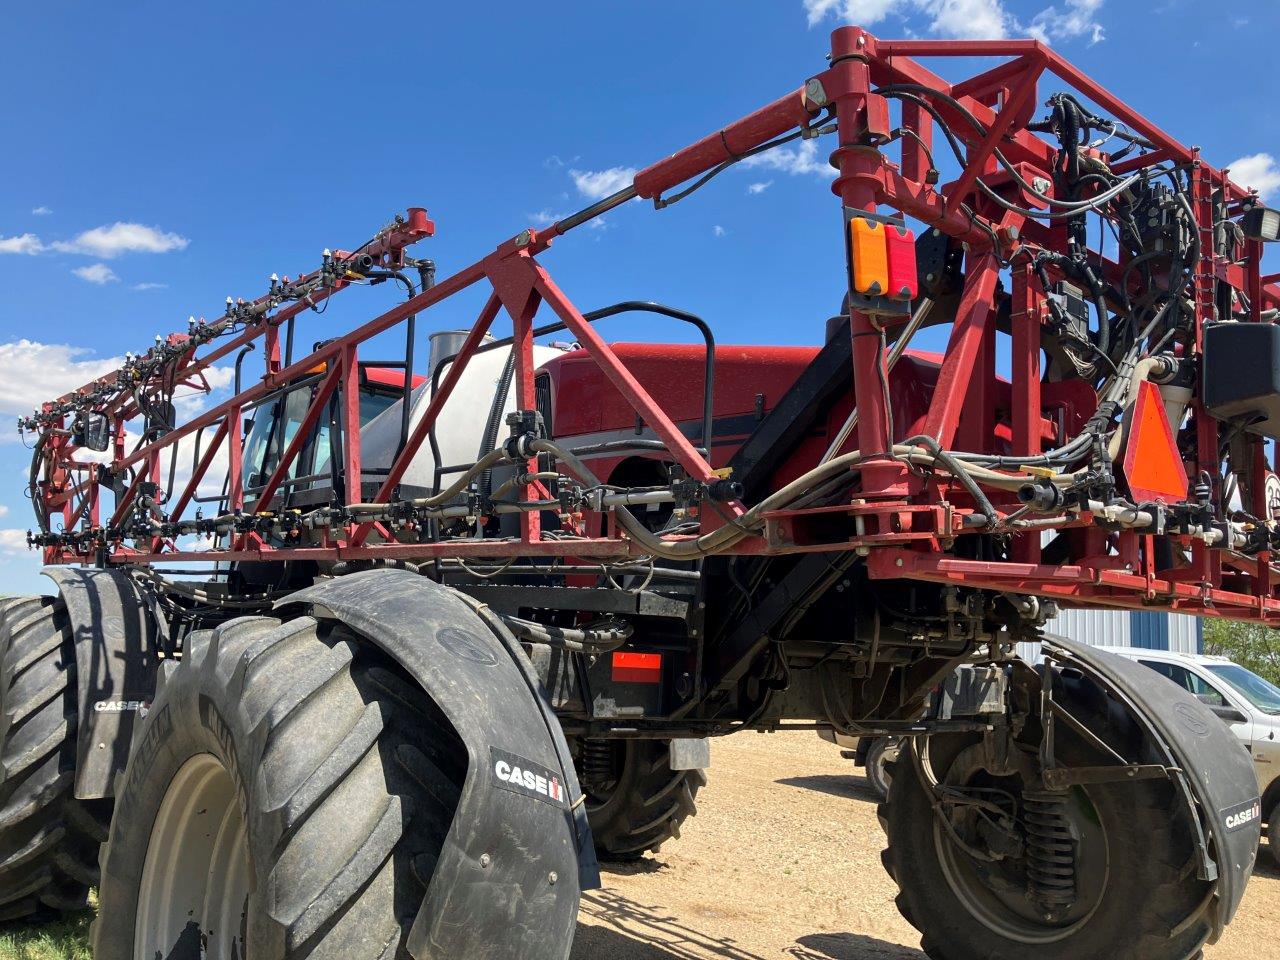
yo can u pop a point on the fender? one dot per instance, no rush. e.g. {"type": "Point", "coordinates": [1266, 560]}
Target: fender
{"type": "Point", "coordinates": [117, 643]}
{"type": "Point", "coordinates": [511, 832]}
{"type": "Point", "coordinates": [1218, 783]}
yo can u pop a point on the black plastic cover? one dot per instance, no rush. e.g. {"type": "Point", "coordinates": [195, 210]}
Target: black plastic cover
{"type": "Point", "coordinates": [1241, 375]}
{"type": "Point", "coordinates": [117, 642]}
{"type": "Point", "coordinates": [508, 879]}
{"type": "Point", "coordinates": [1217, 771]}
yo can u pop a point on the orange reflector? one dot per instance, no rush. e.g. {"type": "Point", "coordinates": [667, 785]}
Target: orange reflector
{"type": "Point", "coordinates": [637, 667]}
{"type": "Point", "coordinates": [319, 368]}
{"type": "Point", "coordinates": [870, 257]}
{"type": "Point", "coordinates": [1152, 465]}
{"type": "Point", "coordinates": [900, 244]}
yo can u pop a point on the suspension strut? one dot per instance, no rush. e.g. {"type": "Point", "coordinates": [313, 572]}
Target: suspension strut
{"type": "Point", "coordinates": [598, 762]}
{"type": "Point", "coordinates": [1051, 850]}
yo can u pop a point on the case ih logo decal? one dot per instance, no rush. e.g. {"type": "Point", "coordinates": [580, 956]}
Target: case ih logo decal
{"type": "Point", "coordinates": [1240, 816]}
{"type": "Point", "coordinates": [139, 707]}
{"type": "Point", "coordinates": [528, 778]}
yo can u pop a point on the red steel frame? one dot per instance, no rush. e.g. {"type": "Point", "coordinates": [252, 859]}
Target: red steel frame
{"type": "Point", "coordinates": [907, 521]}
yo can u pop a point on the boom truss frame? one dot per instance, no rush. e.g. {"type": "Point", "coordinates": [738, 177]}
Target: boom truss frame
{"type": "Point", "coordinates": [905, 521]}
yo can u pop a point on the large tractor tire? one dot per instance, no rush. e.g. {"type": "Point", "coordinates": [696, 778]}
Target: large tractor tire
{"type": "Point", "coordinates": [635, 801]}
{"type": "Point", "coordinates": [48, 839]}
{"type": "Point", "coordinates": [287, 797]}
{"type": "Point", "coordinates": [1131, 893]}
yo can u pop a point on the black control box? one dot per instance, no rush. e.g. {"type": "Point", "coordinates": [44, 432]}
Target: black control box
{"type": "Point", "coordinates": [1241, 375]}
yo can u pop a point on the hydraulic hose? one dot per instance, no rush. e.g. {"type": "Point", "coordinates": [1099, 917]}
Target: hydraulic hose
{"type": "Point", "coordinates": [602, 636]}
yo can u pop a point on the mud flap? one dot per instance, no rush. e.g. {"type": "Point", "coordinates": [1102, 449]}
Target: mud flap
{"type": "Point", "coordinates": [117, 643]}
{"type": "Point", "coordinates": [519, 851]}
{"type": "Point", "coordinates": [1216, 777]}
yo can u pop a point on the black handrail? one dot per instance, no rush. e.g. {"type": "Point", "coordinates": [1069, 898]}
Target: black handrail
{"type": "Point", "coordinates": [626, 306]}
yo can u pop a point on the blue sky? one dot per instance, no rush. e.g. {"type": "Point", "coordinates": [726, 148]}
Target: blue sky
{"type": "Point", "coordinates": [162, 156]}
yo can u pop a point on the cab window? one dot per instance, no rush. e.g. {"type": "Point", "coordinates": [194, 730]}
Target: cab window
{"type": "Point", "coordinates": [1193, 683]}
{"type": "Point", "coordinates": [276, 424]}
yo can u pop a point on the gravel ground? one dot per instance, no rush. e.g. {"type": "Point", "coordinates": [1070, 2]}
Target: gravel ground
{"type": "Point", "coordinates": [783, 861]}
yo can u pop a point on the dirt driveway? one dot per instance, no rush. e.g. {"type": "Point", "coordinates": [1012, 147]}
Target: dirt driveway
{"type": "Point", "coordinates": [783, 861]}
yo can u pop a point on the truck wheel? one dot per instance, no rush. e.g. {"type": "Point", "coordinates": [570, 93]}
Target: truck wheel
{"type": "Point", "coordinates": [988, 883]}
{"type": "Point", "coordinates": [287, 796]}
{"type": "Point", "coordinates": [48, 839]}
{"type": "Point", "coordinates": [882, 752]}
{"type": "Point", "coordinates": [635, 801]}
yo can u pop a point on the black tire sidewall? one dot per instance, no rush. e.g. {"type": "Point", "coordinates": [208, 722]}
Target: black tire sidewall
{"type": "Point", "coordinates": [185, 722]}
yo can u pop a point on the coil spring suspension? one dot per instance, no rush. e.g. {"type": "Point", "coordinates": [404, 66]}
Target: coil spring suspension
{"type": "Point", "coordinates": [598, 762]}
{"type": "Point", "coordinates": [1051, 850]}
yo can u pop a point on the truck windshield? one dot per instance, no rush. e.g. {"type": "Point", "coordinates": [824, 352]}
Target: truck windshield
{"type": "Point", "coordinates": [1262, 694]}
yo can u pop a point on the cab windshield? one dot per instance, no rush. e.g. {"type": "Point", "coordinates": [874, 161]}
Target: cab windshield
{"type": "Point", "coordinates": [1261, 693]}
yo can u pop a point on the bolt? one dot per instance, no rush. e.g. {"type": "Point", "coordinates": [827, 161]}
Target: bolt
{"type": "Point", "coordinates": [552, 877]}
{"type": "Point", "coordinates": [898, 562]}
{"type": "Point", "coordinates": [485, 860]}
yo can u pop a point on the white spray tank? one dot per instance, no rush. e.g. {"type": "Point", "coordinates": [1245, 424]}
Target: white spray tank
{"type": "Point", "coordinates": [461, 424]}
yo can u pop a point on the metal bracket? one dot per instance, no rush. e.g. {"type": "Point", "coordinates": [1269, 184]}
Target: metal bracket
{"type": "Point", "coordinates": [1060, 778]}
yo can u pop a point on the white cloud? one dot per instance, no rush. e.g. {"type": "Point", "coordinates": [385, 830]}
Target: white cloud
{"type": "Point", "coordinates": [111, 241]}
{"type": "Point", "coordinates": [1076, 19]}
{"type": "Point", "coordinates": [553, 162]}
{"type": "Point", "coordinates": [1258, 170]}
{"type": "Point", "coordinates": [27, 243]}
{"type": "Point", "coordinates": [96, 273]}
{"type": "Point", "coordinates": [32, 373]}
{"type": "Point", "coordinates": [41, 211]}
{"type": "Point", "coordinates": [4, 511]}
{"type": "Point", "coordinates": [13, 542]}
{"type": "Point", "coordinates": [544, 217]}
{"type": "Point", "coordinates": [220, 377]}
{"type": "Point", "coordinates": [757, 188]}
{"type": "Point", "coordinates": [150, 286]}
{"type": "Point", "coordinates": [598, 184]}
{"type": "Point", "coordinates": [718, 230]}
{"type": "Point", "coordinates": [863, 12]}
{"type": "Point", "coordinates": [967, 19]}
{"type": "Point", "coordinates": [793, 160]}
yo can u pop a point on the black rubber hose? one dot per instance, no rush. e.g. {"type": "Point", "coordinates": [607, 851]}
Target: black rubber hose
{"type": "Point", "coordinates": [959, 471]}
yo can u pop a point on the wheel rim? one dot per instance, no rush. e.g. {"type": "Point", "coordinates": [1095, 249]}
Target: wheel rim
{"type": "Point", "coordinates": [996, 895]}
{"type": "Point", "coordinates": [883, 759]}
{"type": "Point", "coordinates": [196, 877]}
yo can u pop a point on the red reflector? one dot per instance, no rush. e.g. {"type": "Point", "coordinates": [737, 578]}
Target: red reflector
{"type": "Point", "coordinates": [637, 667]}
{"type": "Point", "coordinates": [900, 245]}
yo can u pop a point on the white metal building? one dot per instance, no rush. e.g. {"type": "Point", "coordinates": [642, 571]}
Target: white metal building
{"type": "Point", "coordinates": [1126, 628]}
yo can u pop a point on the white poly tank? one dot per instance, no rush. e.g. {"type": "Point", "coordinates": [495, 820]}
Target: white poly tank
{"type": "Point", "coordinates": [460, 426]}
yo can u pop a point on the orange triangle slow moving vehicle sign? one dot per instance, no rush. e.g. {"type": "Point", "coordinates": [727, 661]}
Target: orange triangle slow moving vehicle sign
{"type": "Point", "coordinates": [1152, 465]}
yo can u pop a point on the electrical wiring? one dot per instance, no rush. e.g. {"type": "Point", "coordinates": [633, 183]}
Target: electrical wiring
{"type": "Point", "coordinates": [819, 128]}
